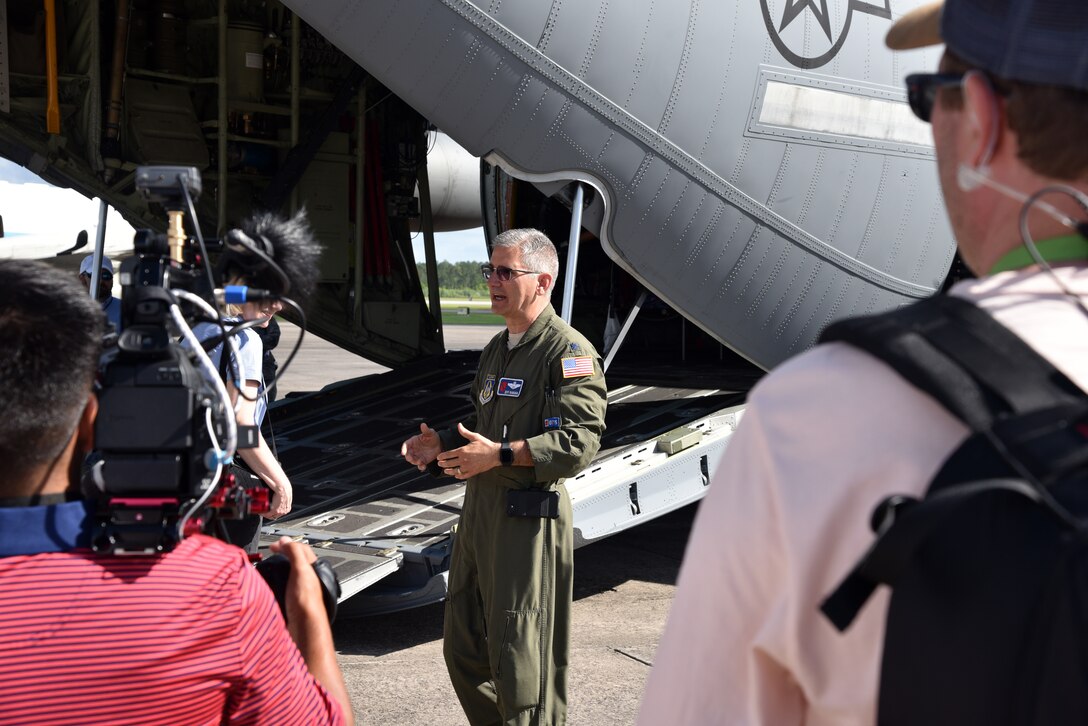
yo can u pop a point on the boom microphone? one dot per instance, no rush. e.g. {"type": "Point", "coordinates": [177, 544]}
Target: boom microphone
{"type": "Point", "coordinates": [277, 254]}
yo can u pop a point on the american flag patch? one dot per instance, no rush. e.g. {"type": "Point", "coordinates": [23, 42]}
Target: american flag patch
{"type": "Point", "coordinates": [579, 366]}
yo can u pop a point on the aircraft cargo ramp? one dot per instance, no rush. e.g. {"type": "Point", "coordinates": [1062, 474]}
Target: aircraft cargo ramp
{"type": "Point", "coordinates": [755, 163]}
{"type": "Point", "coordinates": [385, 527]}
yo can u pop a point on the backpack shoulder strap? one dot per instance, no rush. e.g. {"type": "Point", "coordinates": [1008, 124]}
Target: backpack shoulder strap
{"type": "Point", "coordinates": [957, 353]}
{"type": "Point", "coordinates": [984, 375]}
{"type": "Point", "coordinates": [905, 524]}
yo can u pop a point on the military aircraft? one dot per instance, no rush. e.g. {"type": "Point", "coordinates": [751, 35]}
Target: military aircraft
{"type": "Point", "coordinates": [724, 179]}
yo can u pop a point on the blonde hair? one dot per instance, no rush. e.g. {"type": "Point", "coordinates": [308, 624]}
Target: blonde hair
{"type": "Point", "coordinates": [234, 310]}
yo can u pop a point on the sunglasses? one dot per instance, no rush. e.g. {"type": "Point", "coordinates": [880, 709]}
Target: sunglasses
{"type": "Point", "coordinates": [101, 275]}
{"type": "Point", "coordinates": [503, 273]}
{"type": "Point", "coordinates": [922, 90]}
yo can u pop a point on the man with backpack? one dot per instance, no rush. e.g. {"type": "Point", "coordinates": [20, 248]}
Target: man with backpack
{"type": "Point", "coordinates": [977, 432]}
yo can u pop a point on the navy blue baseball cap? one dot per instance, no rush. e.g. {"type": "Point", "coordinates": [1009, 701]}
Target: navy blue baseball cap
{"type": "Point", "coordinates": [1034, 41]}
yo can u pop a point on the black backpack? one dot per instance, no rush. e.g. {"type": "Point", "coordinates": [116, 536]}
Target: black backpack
{"type": "Point", "coordinates": [988, 621]}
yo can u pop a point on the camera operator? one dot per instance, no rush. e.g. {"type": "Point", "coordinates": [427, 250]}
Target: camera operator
{"type": "Point", "coordinates": [187, 636]}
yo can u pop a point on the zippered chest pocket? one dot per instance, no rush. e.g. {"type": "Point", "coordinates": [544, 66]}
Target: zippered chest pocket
{"type": "Point", "coordinates": [522, 415]}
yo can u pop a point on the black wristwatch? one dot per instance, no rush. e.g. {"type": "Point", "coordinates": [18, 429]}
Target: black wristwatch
{"type": "Point", "coordinates": [506, 454]}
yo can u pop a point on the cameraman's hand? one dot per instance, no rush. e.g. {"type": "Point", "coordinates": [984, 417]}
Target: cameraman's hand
{"type": "Point", "coordinates": [304, 598]}
{"type": "Point", "coordinates": [281, 501]}
{"type": "Point", "coordinates": [308, 623]}
{"type": "Point", "coordinates": [423, 448]}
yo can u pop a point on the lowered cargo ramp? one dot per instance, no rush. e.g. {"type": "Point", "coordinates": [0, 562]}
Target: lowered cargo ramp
{"type": "Point", "coordinates": [385, 527]}
{"type": "Point", "coordinates": [756, 164]}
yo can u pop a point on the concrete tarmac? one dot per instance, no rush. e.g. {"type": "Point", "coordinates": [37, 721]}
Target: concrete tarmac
{"type": "Point", "coordinates": [623, 587]}
{"type": "Point", "coordinates": [320, 363]}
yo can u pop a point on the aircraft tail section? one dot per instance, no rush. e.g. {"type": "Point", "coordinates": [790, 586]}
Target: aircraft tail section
{"type": "Point", "coordinates": [757, 164]}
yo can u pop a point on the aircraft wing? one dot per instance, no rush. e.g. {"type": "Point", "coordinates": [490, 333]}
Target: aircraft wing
{"type": "Point", "coordinates": [757, 165]}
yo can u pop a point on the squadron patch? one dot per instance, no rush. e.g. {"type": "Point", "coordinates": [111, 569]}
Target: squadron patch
{"type": "Point", "coordinates": [488, 390]}
{"type": "Point", "coordinates": [552, 423]}
{"type": "Point", "coordinates": [510, 387]}
{"type": "Point", "coordinates": [578, 366]}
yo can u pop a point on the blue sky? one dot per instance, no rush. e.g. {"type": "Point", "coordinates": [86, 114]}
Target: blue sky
{"type": "Point", "coordinates": [12, 172]}
{"type": "Point", "coordinates": [465, 246]}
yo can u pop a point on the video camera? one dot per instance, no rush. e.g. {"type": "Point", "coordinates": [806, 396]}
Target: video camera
{"type": "Point", "coordinates": [166, 427]}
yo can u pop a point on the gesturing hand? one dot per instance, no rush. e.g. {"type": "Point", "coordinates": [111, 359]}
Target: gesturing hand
{"type": "Point", "coordinates": [422, 448]}
{"type": "Point", "coordinates": [475, 457]}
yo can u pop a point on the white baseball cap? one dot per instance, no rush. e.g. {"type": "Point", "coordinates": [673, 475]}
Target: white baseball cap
{"type": "Point", "coordinates": [87, 265]}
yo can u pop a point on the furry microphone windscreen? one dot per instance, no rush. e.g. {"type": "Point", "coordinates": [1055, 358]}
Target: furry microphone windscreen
{"type": "Point", "coordinates": [291, 244]}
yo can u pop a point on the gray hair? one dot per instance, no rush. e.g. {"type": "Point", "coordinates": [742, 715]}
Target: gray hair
{"type": "Point", "coordinates": [537, 252]}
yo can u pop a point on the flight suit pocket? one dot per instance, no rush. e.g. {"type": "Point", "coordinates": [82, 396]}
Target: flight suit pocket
{"type": "Point", "coordinates": [553, 409]}
{"type": "Point", "coordinates": [518, 674]}
{"type": "Point", "coordinates": [521, 416]}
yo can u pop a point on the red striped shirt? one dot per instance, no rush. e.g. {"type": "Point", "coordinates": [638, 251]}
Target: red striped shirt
{"type": "Point", "coordinates": [190, 637]}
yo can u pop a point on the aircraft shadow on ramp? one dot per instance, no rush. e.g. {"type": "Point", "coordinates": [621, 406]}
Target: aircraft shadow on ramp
{"type": "Point", "coordinates": [650, 553]}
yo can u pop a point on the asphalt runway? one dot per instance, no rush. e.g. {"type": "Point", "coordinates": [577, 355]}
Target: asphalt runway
{"type": "Point", "coordinates": [623, 587]}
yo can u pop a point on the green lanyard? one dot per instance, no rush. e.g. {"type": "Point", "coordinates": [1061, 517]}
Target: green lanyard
{"type": "Point", "coordinates": [1057, 249]}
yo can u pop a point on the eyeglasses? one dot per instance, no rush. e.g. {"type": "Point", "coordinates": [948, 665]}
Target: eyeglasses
{"type": "Point", "coordinates": [103, 275]}
{"type": "Point", "coordinates": [503, 273]}
{"type": "Point", "coordinates": [922, 90]}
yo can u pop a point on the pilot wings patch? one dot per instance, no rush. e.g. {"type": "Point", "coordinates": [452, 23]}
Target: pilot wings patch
{"type": "Point", "coordinates": [578, 366]}
{"type": "Point", "coordinates": [510, 387]}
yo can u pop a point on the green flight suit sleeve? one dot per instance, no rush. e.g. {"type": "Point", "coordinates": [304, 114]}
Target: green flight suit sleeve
{"type": "Point", "coordinates": [451, 438]}
{"type": "Point", "coordinates": [580, 404]}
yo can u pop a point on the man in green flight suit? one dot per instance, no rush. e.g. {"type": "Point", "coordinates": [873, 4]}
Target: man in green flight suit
{"type": "Point", "coordinates": [540, 401]}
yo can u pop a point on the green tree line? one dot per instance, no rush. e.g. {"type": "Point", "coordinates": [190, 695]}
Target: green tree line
{"type": "Point", "coordinates": [456, 278]}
